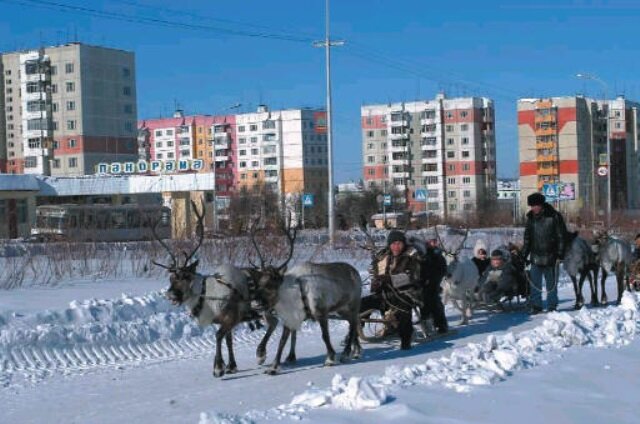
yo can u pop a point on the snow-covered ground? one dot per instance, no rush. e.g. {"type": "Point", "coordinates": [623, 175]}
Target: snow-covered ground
{"type": "Point", "coordinates": [115, 351]}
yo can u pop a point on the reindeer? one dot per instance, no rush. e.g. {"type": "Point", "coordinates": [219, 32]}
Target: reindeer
{"type": "Point", "coordinates": [579, 260]}
{"type": "Point", "coordinates": [312, 291]}
{"type": "Point", "coordinates": [461, 281]}
{"type": "Point", "coordinates": [264, 296]}
{"type": "Point", "coordinates": [614, 254]}
{"type": "Point", "coordinates": [221, 298]}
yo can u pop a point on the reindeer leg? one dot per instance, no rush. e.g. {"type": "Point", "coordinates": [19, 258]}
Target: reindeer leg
{"type": "Point", "coordinates": [331, 354]}
{"type": "Point", "coordinates": [218, 362]}
{"type": "Point", "coordinates": [357, 348]}
{"type": "Point", "coordinates": [576, 292]}
{"type": "Point", "coordinates": [593, 280]}
{"type": "Point", "coordinates": [261, 351]}
{"type": "Point", "coordinates": [620, 281]}
{"type": "Point", "coordinates": [273, 370]}
{"type": "Point", "coordinates": [603, 299]}
{"type": "Point", "coordinates": [231, 368]}
{"type": "Point", "coordinates": [291, 358]}
{"type": "Point", "coordinates": [351, 336]}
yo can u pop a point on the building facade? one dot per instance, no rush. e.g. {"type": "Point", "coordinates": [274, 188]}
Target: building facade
{"type": "Point", "coordinates": [440, 153]}
{"type": "Point", "coordinates": [66, 108]}
{"type": "Point", "coordinates": [563, 148]}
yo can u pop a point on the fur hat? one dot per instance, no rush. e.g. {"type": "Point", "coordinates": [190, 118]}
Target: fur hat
{"type": "Point", "coordinates": [497, 254]}
{"type": "Point", "coordinates": [394, 236]}
{"type": "Point", "coordinates": [480, 245]}
{"type": "Point", "coordinates": [536, 199]}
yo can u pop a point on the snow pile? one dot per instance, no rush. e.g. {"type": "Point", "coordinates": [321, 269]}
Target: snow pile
{"type": "Point", "coordinates": [475, 364]}
{"type": "Point", "coordinates": [97, 332]}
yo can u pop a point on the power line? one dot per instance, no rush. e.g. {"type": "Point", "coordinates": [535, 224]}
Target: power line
{"type": "Point", "coordinates": [62, 7]}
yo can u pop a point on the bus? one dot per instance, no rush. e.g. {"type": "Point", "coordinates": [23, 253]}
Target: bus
{"type": "Point", "coordinates": [100, 222]}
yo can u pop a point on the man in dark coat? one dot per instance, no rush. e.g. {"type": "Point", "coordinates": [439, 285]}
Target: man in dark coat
{"type": "Point", "coordinates": [396, 284]}
{"type": "Point", "coordinates": [434, 268]}
{"type": "Point", "coordinates": [544, 240]}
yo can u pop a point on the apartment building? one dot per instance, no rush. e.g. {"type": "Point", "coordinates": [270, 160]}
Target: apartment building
{"type": "Point", "coordinates": [563, 145]}
{"type": "Point", "coordinates": [440, 153]}
{"type": "Point", "coordinates": [192, 137]}
{"type": "Point", "coordinates": [284, 149]}
{"type": "Point", "coordinates": [66, 108]}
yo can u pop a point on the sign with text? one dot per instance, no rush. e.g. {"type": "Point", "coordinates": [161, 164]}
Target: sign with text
{"type": "Point", "coordinates": [307, 200]}
{"type": "Point", "coordinates": [155, 166]}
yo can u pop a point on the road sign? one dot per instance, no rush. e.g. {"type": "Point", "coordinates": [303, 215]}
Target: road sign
{"type": "Point", "coordinates": [603, 171]}
{"type": "Point", "coordinates": [550, 191]}
{"type": "Point", "coordinates": [603, 159]}
{"type": "Point", "coordinates": [421, 194]}
{"type": "Point", "coordinates": [307, 200]}
{"type": "Point", "coordinates": [387, 200]}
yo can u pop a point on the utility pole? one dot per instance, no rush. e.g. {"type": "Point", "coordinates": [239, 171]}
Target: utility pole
{"type": "Point", "coordinates": [327, 44]}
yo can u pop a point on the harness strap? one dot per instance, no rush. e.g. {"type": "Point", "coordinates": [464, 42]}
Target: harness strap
{"type": "Point", "coordinates": [305, 303]}
{"type": "Point", "coordinates": [196, 310]}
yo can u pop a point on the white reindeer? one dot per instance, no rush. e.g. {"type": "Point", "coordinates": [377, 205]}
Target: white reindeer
{"type": "Point", "coordinates": [461, 281]}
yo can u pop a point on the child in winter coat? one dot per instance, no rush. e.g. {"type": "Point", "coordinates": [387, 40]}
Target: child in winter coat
{"type": "Point", "coordinates": [480, 257]}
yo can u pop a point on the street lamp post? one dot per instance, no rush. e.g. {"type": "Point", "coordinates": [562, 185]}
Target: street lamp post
{"type": "Point", "coordinates": [327, 44]}
{"type": "Point", "coordinates": [608, 129]}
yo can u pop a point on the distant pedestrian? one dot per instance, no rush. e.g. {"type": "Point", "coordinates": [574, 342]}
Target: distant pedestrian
{"type": "Point", "coordinates": [544, 241]}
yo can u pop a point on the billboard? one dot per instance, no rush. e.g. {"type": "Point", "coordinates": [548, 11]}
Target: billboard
{"type": "Point", "coordinates": [559, 191]}
{"type": "Point", "coordinates": [320, 122]}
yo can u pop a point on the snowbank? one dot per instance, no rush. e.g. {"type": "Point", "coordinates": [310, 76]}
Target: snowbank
{"type": "Point", "coordinates": [477, 364]}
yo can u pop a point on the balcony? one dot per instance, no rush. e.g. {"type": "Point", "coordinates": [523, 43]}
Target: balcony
{"type": "Point", "coordinates": [546, 158]}
{"type": "Point", "coordinates": [545, 145]}
{"type": "Point", "coordinates": [551, 117]}
{"type": "Point", "coordinates": [546, 131]}
{"type": "Point", "coordinates": [399, 147]}
{"type": "Point", "coordinates": [399, 136]}
{"type": "Point", "coordinates": [221, 158]}
{"type": "Point", "coordinates": [400, 174]}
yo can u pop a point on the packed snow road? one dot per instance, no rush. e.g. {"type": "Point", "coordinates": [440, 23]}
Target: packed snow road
{"type": "Point", "coordinates": [135, 357]}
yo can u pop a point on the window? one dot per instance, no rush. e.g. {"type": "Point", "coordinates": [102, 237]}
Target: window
{"type": "Point", "coordinates": [184, 153]}
{"type": "Point", "coordinates": [30, 162]}
{"type": "Point", "coordinates": [269, 137]}
{"type": "Point", "coordinates": [450, 141]}
{"type": "Point", "coordinates": [128, 109]}
{"type": "Point", "coordinates": [170, 155]}
{"type": "Point", "coordinates": [37, 124]}
{"type": "Point", "coordinates": [451, 180]}
{"type": "Point", "coordinates": [126, 90]}
{"type": "Point", "coordinates": [254, 163]}
{"type": "Point", "coordinates": [464, 114]}
{"type": "Point", "coordinates": [466, 167]}
{"type": "Point", "coordinates": [22, 211]}
{"type": "Point", "coordinates": [449, 115]}
{"type": "Point", "coordinates": [55, 163]}
{"type": "Point", "coordinates": [464, 127]}
{"type": "Point", "coordinates": [466, 180]}
{"type": "Point", "coordinates": [159, 144]}
{"type": "Point", "coordinates": [68, 68]}
{"type": "Point", "coordinates": [451, 155]}
{"type": "Point", "coordinates": [54, 107]}
{"type": "Point", "coordinates": [268, 125]}
{"type": "Point", "coordinates": [158, 156]}
{"type": "Point", "coordinates": [34, 143]}
{"type": "Point", "coordinates": [271, 161]}
{"type": "Point", "coordinates": [430, 167]}
{"type": "Point", "coordinates": [128, 126]}
{"type": "Point", "coordinates": [32, 87]}
{"type": "Point", "coordinates": [428, 114]}
{"type": "Point", "coordinates": [71, 105]}
{"type": "Point", "coordinates": [168, 132]}
{"type": "Point", "coordinates": [71, 143]}
{"type": "Point", "coordinates": [71, 124]}
{"type": "Point", "coordinates": [371, 171]}
{"type": "Point", "coordinates": [242, 140]}
{"type": "Point", "coordinates": [465, 154]}
{"type": "Point", "coordinates": [54, 70]}
{"type": "Point", "coordinates": [170, 143]}
{"type": "Point", "coordinates": [126, 72]}
{"type": "Point", "coordinates": [254, 151]}
{"type": "Point", "coordinates": [433, 193]}
{"type": "Point", "coordinates": [431, 180]}
{"type": "Point", "coordinates": [453, 206]}
{"type": "Point", "coordinates": [466, 193]}
{"type": "Point", "coordinates": [73, 162]}
{"type": "Point", "coordinates": [243, 164]}
{"type": "Point", "coordinates": [370, 134]}
{"type": "Point", "coordinates": [241, 128]}
{"type": "Point", "coordinates": [54, 88]}
{"type": "Point", "coordinates": [468, 206]}
{"type": "Point", "coordinates": [451, 167]}
{"type": "Point", "coordinates": [70, 86]}
{"type": "Point", "coordinates": [269, 149]}
{"type": "Point", "coordinates": [254, 139]}
{"type": "Point", "coordinates": [371, 159]}
{"type": "Point", "coordinates": [449, 128]}
{"type": "Point", "coordinates": [465, 140]}
{"type": "Point", "coordinates": [35, 105]}
{"type": "Point", "coordinates": [242, 152]}
{"type": "Point", "coordinates": [158, 133]}
{"type": "Point", "coordinates": [253, 127]}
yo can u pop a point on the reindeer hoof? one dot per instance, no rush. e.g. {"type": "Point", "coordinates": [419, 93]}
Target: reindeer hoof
{"type": "Point", "coordinates": [271, 371]}
{"type": "Point", "coordinates": [218, 372]}
{"type": "Point", "coordinates": [604, 300]}
{"type": "Point", "coordinates": [329, 362]}
{"type": "Point", "coordinates": [231, 369]}
{"type": "Point", "coordinates": [345, 357]}
{"type": "Point", "coordinates": [262, 359]}
{"type": "Point", "coordinates": [578, 306]}
{"type": "Point", "coordinates": [291, 359]}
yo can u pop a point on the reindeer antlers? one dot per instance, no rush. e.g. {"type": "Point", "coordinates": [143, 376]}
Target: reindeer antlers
{"type": "Point", "coordinates": [460, 246]}
{"type": "Point", "coordinates": [285, 226]}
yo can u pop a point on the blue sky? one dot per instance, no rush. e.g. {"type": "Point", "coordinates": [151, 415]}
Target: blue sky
{"type": "Point", "coordinates": [396, 50]}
